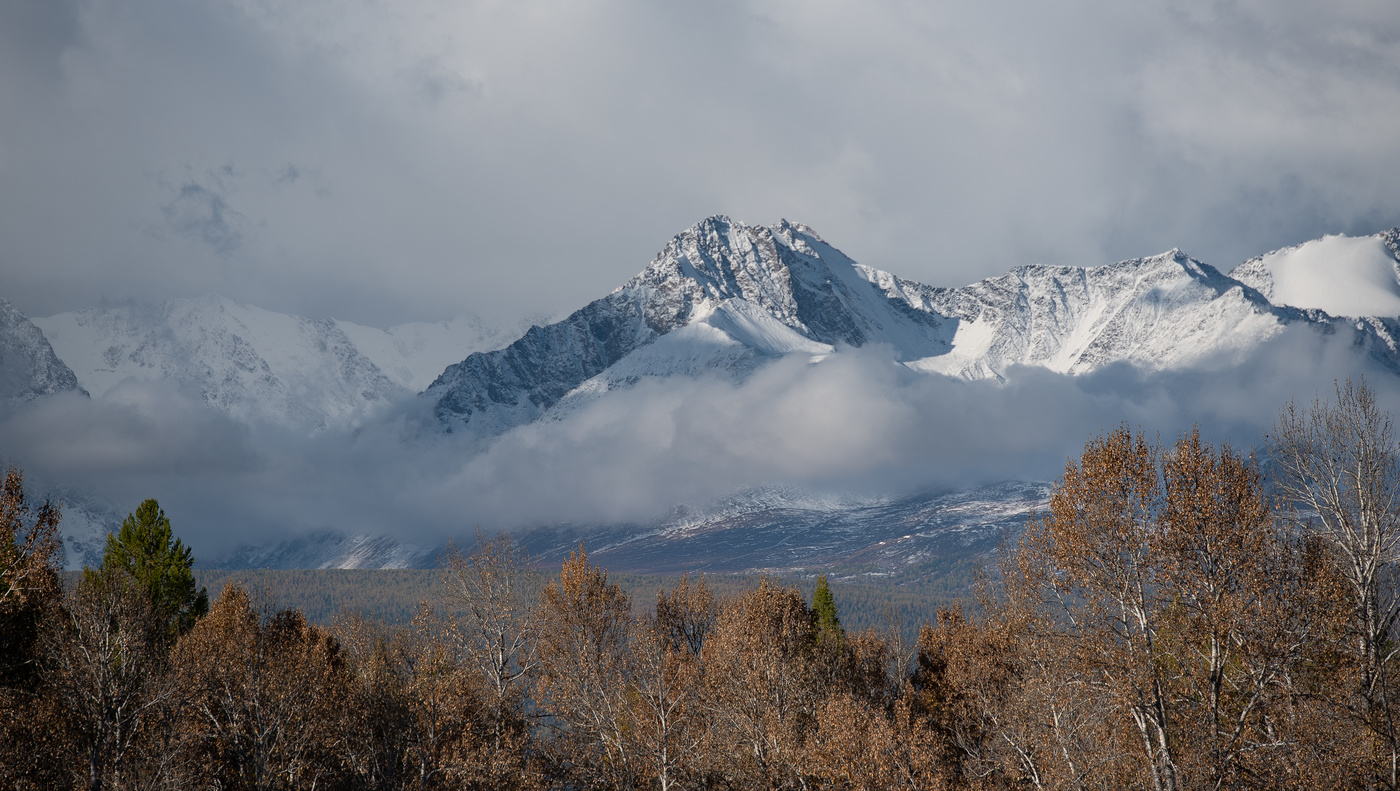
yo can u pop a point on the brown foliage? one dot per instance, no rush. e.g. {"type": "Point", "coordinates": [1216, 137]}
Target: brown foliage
{"type": "Point", "coordinates": [1161, 586]}
{"type": "Point", "coordinates": [1160, 627]}
{"type": "Point", "coordinates": [260, 691]}
{"type": "Point", "coordinates": [760, 679]}
{"type": "Point", "coordinates": [30, 726]}
{"type": "Point", "coordinates": [29, 544]}
{"type": "Point", "coordinates": [420, 716]}
{"type": "Point", "coordinates": [584, 627]}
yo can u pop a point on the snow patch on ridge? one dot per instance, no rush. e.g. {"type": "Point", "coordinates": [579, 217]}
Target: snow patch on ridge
{"type": "Point", "coordinates": [1341, 275]}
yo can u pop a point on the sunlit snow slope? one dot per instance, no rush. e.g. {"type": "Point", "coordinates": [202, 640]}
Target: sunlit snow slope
{"type": "Point", "coordinates": [1342, 275]}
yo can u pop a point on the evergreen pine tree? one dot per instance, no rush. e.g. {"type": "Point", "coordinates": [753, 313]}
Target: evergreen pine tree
{"type": "Point", "coordinates": [146, 549]}
{"type": "Point", "coordinates": [824, 607]}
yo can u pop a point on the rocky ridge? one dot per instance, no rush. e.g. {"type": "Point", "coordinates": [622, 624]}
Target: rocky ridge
{"type": "Point", "coordinates": [725, 296]}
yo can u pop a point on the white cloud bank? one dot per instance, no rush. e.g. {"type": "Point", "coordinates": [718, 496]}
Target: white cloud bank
{"type": "Point", "coordinates": [856, 423]}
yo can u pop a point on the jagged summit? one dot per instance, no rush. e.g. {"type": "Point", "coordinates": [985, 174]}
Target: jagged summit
{"type": "Point", "coordinates": [768, 290]}
{"type": "Point", "coordinates": [724, 296]}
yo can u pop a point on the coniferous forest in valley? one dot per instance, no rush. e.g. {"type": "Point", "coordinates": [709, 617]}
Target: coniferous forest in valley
{"type": "Point", "coordinates": [1183, 615]}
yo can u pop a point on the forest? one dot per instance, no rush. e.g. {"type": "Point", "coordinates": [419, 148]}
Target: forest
{"type": "Point", "coordinates": [1183, 615]}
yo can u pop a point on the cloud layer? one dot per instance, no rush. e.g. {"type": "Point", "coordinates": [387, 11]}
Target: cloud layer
{"type": "Point", "coordinates": [385, 162]}
{"type": "Point", "coordinates": [854, 424]}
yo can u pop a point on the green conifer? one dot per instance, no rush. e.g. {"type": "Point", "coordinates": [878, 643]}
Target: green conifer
{"type": "Point", "coordinates": [824, 607]}
{"type": "Point", "coordinates": [146, 549]}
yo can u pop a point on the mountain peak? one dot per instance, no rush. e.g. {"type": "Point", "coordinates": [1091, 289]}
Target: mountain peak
{"type": "Point", "coordinates": [763, 288]}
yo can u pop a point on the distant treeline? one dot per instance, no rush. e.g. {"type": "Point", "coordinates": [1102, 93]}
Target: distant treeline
{"type": "Point", "coordinates": [394, 595]}
{"type": "Point", "coordinates": [1168, 624]}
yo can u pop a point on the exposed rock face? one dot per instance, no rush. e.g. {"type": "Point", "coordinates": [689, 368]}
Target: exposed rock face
{"type": "Point", "coordinates": [29, 369]}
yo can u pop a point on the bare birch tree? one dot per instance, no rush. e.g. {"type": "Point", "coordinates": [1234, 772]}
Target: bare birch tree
{"type": "Point", "coordinates": [1339, 464]}
{"type": "Point", "coordinates": [106, 666]}
{"type": "Point", "coordinates": [494, 591]}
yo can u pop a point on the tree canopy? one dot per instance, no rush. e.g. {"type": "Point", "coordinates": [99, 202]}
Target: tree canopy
{"type": "Point", "coordinates": [824, 605]}
{"type": "Point", "coordinates": [146, 549]}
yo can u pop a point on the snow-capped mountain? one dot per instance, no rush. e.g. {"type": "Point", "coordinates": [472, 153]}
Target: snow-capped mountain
{"type": "Point", "coordinates": [29, 369]}
{"type": "Point", "coordinates": [729, 292]}
{"type": "Point", "coordinates": [258, 365]}
{"type": "Point", "coordinates": [725, 296]}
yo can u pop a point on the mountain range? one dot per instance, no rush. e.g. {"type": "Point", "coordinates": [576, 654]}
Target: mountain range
{"type": "Point", "coordinates": [725, 296]}
{"type": "Point", "coordinates": [721, 299]}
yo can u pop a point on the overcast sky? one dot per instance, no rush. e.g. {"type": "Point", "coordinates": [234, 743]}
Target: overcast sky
{"type": "Point", "coordinates": [393, 161]}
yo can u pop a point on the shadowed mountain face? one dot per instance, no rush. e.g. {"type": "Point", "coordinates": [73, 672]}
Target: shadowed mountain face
{"type": "Point", "coordinates": [29, 369]}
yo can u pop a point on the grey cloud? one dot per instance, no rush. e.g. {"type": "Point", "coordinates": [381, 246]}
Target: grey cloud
{"type": "Point", "coordinates": [202, 213]}
{"type": "Point", "coordinates": [858, 423]}
{"type": "Point", "coordinates": [135, 429]}
{"type": "Point", "coordinates": [526, 157]}
{"type": "Point", "coordinates": [436, 82]}
{"type": "Point", "coordinates": [35, 34]}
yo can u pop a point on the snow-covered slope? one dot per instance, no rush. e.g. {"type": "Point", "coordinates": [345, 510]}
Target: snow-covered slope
{"type": "Point", "coordinates": [783, 530]}
{"type": "Point", "coordinates": [329, 550]}
{"type": "Point", "coordinates": [256, 365]}
{"type": "Point", "coordinates": [85, 524]}
{"type": "Point", "coordinates": [1342, 275]}
{"type": "Point", "coordinates": [1164, 311]}
{"type": "Point", "coordinates": [259, 365]}
{"type": "Point", "coordinates": [29, 369]}
{"type": "Point", "coordinates": [725, 296]}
